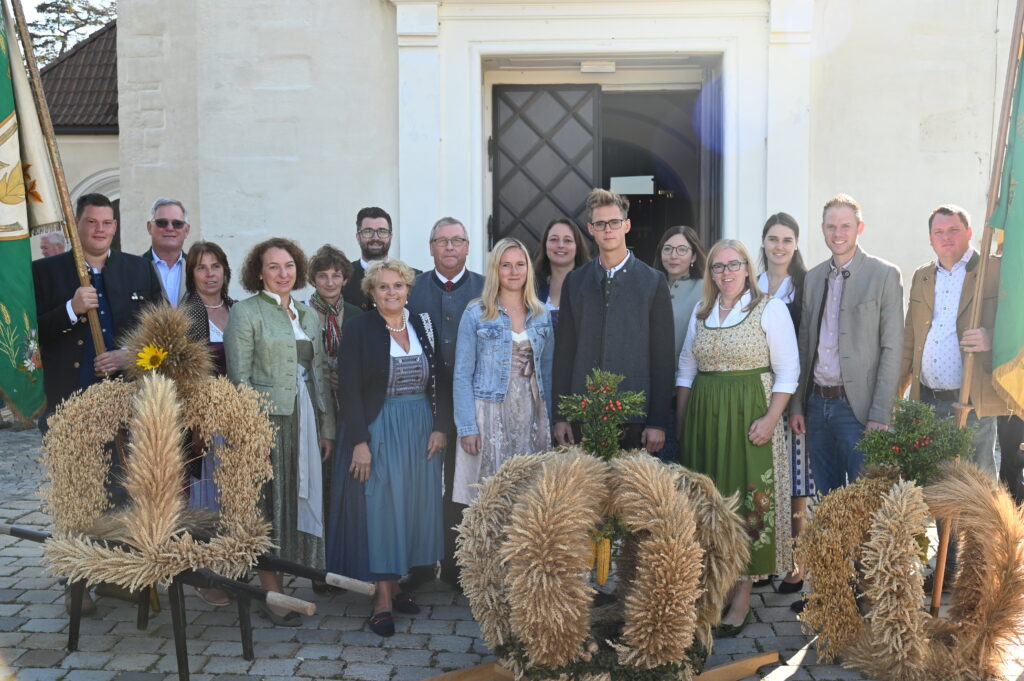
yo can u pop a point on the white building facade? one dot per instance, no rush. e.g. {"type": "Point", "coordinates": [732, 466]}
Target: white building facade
{"type": "Point", "coordinates": [283, 119]}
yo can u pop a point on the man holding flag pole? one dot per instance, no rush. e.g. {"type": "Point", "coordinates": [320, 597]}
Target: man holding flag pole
{"type": "Point", "coordinates": [1005, 212]}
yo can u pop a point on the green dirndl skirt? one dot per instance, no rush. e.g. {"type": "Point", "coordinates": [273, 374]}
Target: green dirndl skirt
{"type": "Point", "coordinates": [721, 407]}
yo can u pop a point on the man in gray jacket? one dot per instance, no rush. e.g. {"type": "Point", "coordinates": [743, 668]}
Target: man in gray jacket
{"type": "Point", "coordinates": [851, 346]}
{"type": "Point", "coordinates": [443, 293]}
{"type": "Point", "coordinates": [616, 315]}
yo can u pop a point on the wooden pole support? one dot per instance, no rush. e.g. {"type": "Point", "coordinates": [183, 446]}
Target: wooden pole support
{"type": "Point", "coordinates": [342, 582]}
{"type": "Point", "coordinates": [298, 605]}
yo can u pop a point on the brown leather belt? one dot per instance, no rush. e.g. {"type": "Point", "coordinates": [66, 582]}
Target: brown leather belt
{"type": "Point", "coordinates": [829, 392]}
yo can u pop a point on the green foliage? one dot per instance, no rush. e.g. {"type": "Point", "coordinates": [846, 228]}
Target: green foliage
{"type": "Point", "coordinates": [62, 23]}
{"type": "Point", "coordinates": [917, 442]}
{"type": "Point", "coordinates": [601, 410]}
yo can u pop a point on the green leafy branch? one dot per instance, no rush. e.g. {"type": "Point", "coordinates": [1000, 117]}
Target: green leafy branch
{"type": "Point", "coordinates": [601, 410]}
{"type": "Point", "coordinates": [918, 442]}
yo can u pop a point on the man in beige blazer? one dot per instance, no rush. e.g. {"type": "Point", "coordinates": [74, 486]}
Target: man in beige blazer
{"type": "Point", "coordinates": [936, 337]}
{"type": "Point", "coordinates": [851, 343]}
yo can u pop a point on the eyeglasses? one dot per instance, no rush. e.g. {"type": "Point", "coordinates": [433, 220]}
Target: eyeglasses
{"type": "Point", "coordinates": [602, 225]}
{"type": "Point", "coordinates": [442, 242]}
{"type": "Point", "coordinates": [379, 233]}
{"type": "Point", "coordinates": [163, 222]}
{"type": "Point", "coordinates": [732, 265]}
{"type": "Point", "coordinates": [678, 250]}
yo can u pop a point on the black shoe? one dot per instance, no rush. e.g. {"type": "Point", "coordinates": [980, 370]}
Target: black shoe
{"type": "Point", "coordinates": [289, 619]}
{"type": "Point", "coordinates": [382, 624]}
{"type": "Point", "coordinates": [790, 587]}
{"type": "Point", "coordinates": [88, 604]}
{"type": "Point", "coordinates": [418, 576]}
{"type": "Point", "coordinates": [325, 588]}
{"type": "Point", "coordinates": [405, 604]}
{"type": "Point", "coordinates": [767, 581]}
{"type": "Point", "coordinates": [798, 606]}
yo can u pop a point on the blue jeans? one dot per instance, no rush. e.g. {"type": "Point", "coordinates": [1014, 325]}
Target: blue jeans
{"type": "Point", "coordinates": [984, 443]}
{"type": "Point", "coordinates": [832, 435]}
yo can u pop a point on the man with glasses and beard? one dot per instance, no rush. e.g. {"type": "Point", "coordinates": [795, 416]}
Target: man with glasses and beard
{"type": "Point", "coordinates": [616, 315]}
{"type": "Point", "coordinates": [373, 232]}
{"type": "Point", "coordinates": [168, 226]}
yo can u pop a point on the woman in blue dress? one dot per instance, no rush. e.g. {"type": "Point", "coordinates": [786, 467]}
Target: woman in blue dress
{"type": "Point", "coordinates": [386, 485]}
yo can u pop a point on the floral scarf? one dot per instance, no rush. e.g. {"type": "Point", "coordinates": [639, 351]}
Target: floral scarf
{"type": "Point", "coordinates": [334, 316]}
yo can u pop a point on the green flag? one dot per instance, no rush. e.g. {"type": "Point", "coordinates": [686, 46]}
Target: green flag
{"type": "Point", "coordinates": [27, 205]}
{"type": "Point", "coordinates": [1008, 339]}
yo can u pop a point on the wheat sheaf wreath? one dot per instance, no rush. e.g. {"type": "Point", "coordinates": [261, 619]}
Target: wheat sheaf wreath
{"type": "Point", "coordinates": [896, 640]}
{"type": "Point", "coordinates": [155, 410]}
{"type": "Point", "coordinates": [525, 551]}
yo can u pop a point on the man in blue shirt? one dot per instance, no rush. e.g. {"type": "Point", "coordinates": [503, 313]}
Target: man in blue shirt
{"type": "Point", "coordinates": [168, 226]}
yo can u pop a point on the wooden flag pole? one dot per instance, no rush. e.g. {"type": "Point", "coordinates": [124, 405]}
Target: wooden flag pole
{"type": "Point", "coordinates": [70, 228]}
{"type": "Point", "coordinates": [963, 407]}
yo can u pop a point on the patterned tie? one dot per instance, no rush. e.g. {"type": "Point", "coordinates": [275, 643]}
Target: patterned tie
{"type": "Point", "coordinates": [448, 286]}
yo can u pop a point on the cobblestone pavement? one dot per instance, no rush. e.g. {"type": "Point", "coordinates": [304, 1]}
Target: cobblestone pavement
{"type": "Point", "coordinates": [333, 644]}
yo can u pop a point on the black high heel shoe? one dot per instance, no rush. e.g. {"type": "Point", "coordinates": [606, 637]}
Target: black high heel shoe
{"type": "Point", "coordinates": [789, 587]}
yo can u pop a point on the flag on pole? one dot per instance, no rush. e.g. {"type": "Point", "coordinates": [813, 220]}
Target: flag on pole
{"type": "Point", "coordinates": [28, 205]}
{"type": "Point", "coordinates": [1008, 216]}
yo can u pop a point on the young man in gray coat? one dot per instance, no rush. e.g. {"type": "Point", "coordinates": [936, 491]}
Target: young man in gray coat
{"type": "Point", "coordinates": [851, 346]}
{"type": "Point", "coordinates": [616, 315]}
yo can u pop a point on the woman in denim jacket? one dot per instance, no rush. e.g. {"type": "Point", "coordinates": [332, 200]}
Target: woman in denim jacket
{"type": "Point", "coordinates": [502, 381]}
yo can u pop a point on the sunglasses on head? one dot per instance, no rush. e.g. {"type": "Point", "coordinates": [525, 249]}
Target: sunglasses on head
{"type": "Point", "coordinates": [163, 222]}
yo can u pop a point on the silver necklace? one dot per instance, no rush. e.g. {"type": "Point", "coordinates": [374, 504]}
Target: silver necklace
{"type": "Point", "coordinates": [214, 307]}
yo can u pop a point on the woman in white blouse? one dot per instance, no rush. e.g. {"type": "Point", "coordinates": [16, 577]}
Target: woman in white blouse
{"type": "Point", "coordinates": [782, 276]}
{"type": "Point", "coordinates": [737, 369]}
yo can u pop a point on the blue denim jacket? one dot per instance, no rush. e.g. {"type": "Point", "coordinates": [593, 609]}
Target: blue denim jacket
{"type": "Point", "coordinates": [483, 361]}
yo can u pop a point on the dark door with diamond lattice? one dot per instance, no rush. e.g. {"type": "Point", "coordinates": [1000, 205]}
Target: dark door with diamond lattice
{"type": "Point", "coordinates": [545, 155]}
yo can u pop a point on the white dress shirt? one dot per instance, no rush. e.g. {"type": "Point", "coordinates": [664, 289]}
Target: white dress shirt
{"type": "Point", "coordinates": [786, 291]}
{"type": "Point", "coordinates": [778, 327]}
{"type": "Point", "coordinates": [941, 362]}
{"type": "Point", "coordinates": [454, 280]}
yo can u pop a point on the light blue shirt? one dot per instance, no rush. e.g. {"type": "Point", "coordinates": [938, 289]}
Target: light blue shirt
{"type": "Point", "coordinates": [170, 276]}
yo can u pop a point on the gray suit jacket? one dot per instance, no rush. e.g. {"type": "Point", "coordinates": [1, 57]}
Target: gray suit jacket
{"type": "Point", "coordinates": [870, 335]}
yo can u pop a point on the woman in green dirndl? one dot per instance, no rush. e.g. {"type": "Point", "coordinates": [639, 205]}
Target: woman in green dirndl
{"type": "Point", "coordinates": [737, 369]}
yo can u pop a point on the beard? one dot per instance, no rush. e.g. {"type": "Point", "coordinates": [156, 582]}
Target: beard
{"type": "Point", "coordinates": [375, 250]}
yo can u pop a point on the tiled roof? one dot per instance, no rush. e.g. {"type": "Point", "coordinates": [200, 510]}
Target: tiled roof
{"type": "Point", "coordinates": [81, 85]}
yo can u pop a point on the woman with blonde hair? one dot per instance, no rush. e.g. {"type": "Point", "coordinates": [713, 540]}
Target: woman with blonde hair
{"type": "Point", "coordinates": [502, 380]}
{"type": "Point", "coordinates": [394, 413]}
{"type": "Point", "coordinates": [737, 369]}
